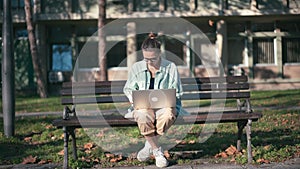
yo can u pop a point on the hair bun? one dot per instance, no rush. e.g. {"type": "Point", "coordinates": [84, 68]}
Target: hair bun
{"type": "Point", "coordinates": [152, 35]}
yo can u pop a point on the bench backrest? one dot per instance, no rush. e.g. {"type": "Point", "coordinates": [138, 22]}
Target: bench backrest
{"type": "Point", "coordinates": [230, 87]}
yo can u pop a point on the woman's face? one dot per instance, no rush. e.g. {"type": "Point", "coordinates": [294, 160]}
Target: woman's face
{"type": "Point", "coordinates": [151, 57]}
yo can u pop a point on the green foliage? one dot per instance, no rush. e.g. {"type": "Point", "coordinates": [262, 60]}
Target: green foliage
{"type": "Point", "coordinates": [275, 154]}
{"type": "Point", "coordinates": [78, 164]}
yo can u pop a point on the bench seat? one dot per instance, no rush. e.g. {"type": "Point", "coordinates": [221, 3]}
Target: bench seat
{"type": "Point", "coordinates": [120, 121]}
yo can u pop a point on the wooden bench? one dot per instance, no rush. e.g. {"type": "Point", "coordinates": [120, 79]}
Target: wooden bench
{"type": "Point", "coordinates": [204, 88]}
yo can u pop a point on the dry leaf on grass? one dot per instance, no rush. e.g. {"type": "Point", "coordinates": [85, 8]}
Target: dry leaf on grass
{"type": "Point", "coordinates": [167, 154]}
{"type": "Point", "coordinates": [232, 159]}
{"type": "Point", "coordinates": [42, 162]}
{"type": "Point", "coordinates": [86, 159]}
{"type": "Point", "coordinates": [61, 152]}
{"type": "Point", "coordinates": [231, 150]}
{"type": "Point", "coordinates": [114, 158]}
{"type": "Point", "coordinates": [192, 142]}
{"type": "Point", "coordinates": [27, 139]}
{"type": "Point", "coordinates": [109, 155]}
{"type": "Point", "coordinates": [261, 160]}
{"type": "Point", "coordinates": [50, 126]}
{"type": "Point", "coordinates": [29, 160]}
{"type": "Point", "coordinates": [88, 146]}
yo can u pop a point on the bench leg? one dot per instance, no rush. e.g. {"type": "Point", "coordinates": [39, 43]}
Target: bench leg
{"type": "Point", "coordinates": [66, 154]}
{"type": "Point", "coordinates": [249, 148]}
{"type": "Point", "coordinates": [241, 125]}
{"type": "Point", "coordinates": [72, 133]}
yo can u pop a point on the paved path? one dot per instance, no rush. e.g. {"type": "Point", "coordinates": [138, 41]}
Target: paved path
{"type": "Point", "coordinates": [290, 164]}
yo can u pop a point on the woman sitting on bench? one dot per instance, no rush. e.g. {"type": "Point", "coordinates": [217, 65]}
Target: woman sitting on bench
{"type": "Point", "coordinates": [153, 72]}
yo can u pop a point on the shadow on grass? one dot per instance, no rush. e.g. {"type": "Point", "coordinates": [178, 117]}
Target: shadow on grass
{"type": "Point", "coordinates": [220, 141]}
{"type": "Point", "coordinates": [33, 137]}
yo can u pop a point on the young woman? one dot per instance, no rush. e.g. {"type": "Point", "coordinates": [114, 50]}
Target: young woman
{"type": "Point", "coordinates": [153, 72]}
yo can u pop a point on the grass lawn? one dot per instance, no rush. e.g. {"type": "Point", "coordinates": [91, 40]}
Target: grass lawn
{"type": "Point", "coordinates": [275, 137]}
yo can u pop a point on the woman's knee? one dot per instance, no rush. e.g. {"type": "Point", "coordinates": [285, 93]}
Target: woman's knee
{"type": "Point", "coordinates": [143, 116]}
{"type": "Point", "coordinates": [166, 114]}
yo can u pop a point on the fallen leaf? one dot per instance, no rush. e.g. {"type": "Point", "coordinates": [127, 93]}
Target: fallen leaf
{"type": "Point", "coordinates": [167, 154]}
{"type": "Point", "coordinates": [100, 134]}
{"type": "Point", "coordinates": [183, 142]}
{"type": "Point", "coordinates": [86, 159]}
{"type": "Point", "coordinates": [88, 151]}
{"type": "Point", "coordinates": [261, 160]}
{"type": "Point", "coordinates": [177, 141]}
{"type": "Point", "coordinates": [119, 158]}
{"type": "Point", "coordinates": [61, 152]}
{"type": "Point", "coordinates": [49, 126]}
{"type": "Point", "coordinates": [88, 146]}
{"type": "Point", "coordinates": [231, 150]}
{"type": "Point", "coordinates": [267, 147]}
{"type": "Point", "coordinates": [109, 155]}
{"type": "Point", "coordinates": [29, 160]}
{"type": "Point", "coordinates": [232, 159]}
{"type": "Point", "coordinates": [113, 160]}
{"type": "Point", "coordinates": [217, 155]}
{"type": "Point", "coordinates": [42, 162]}
{"type": "Point", "coordinates": [211, 23]}
{"type": "Point", "coordinates": [96, 160]}
{"type": "Point", "coordinates": [224, 155]}
{"type": "Point", "coordinates": [27, 139]}
{"type": "Point", "coordinates": [192, 142]}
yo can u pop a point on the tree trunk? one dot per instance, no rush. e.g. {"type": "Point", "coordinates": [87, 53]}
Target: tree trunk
{"type": "Point", "coordinates": [101, 40]}
{"type": "Point", "coordinates": [41, 81]}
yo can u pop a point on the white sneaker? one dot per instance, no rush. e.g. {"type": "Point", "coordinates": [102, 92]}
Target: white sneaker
{"type": "Point", "coordinates": [145, 153]}
{"type": "Point", "coordinates": [160, 159]}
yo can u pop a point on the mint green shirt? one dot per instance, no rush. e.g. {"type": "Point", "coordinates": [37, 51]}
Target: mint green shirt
{"type": "Point", "coordinates": [167, 77]}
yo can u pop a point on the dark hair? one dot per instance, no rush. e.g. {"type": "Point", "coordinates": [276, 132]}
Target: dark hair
{"type": "Point", "coordinates": [151, 43]}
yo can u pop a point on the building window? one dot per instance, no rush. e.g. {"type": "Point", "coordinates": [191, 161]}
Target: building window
{"type": "Point", "coordinates": [236, 51]}
{"type": "Point", "coordinates": [174, 50]}
{"type": "Point", "coordinates": [116, 56]}
{"type": "Point", "coordinates": [291, 50]}
{"type": "Point", "coordinates": [263, 51]}
{"type": "Point", "coordinates": [61, 57]}
{"type": "Point", "coordinates": [19, 4]}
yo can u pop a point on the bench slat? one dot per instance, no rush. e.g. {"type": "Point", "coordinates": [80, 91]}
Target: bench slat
{"type": "Point", "coordinates": [123, 98]}
{"type": "Point", "coordinates": [90, 90]}
{"type": "Point", "coordinates": [120, 121]}
{"type": "Point", "coordinates": [228, 79]}
{"type": "Point", "coordinates": [199, 80]}
{"type": "Point", "coordinates": [93, 100]}
{"type": "Point", "coordinates": [94, 84]}
{"type": "Point", "coordinates": [215, 87]}
{"type": "Point", "coordinates": [119, 90]}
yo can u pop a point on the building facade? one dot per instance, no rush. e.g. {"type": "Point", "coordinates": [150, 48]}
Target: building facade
{"type": "Point", "coordinates": [259, 38]}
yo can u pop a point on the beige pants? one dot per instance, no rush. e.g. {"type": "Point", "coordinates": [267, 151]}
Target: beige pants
{"type": "Point", "coordinates": [156, 121]}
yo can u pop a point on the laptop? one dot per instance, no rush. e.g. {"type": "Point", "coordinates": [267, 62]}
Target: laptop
{"type": "Point", "coordinates": [154, 98]}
